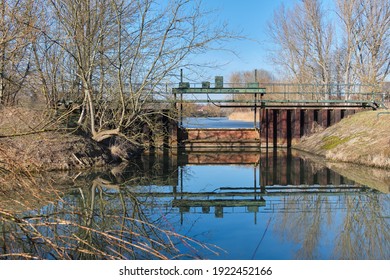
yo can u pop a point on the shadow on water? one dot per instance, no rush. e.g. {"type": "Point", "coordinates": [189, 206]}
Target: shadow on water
{"type": "Point", "coordinates": [271, 205]}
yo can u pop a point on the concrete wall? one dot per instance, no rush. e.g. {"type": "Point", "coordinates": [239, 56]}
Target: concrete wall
{"type": "Point", "coordinates": [219, 139]}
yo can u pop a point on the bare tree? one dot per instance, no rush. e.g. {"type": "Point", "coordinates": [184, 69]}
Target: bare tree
{"type": "Point", "coordinates": [348, 15]}
{"type": "Point", "coordinates": [308, 48]}
{"type": "Point", "coordinates": [243, 78]}
{"type": "Point", "coordinates": [258, 75]}
{"type": "Point", "coordinates": [303, 39]}
{"type": "Point", "coordinates": [120, 52]}
{"type": "Point", "coordinates": [320, 39]}
{"type": "Point", "coordinates": [371, 33]}
{"type": "Point", "coordinates": [16, 17]}
{"type": "Point", "coordinates": [290, 52]}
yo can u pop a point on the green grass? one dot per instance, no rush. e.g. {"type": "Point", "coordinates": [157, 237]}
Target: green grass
{"type": "Point", "coordinates": [331, 142]}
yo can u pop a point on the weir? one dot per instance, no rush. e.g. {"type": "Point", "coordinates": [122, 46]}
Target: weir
{"type": "Point", "coordinates": [277, 128]}
{"type": "Point", "coordinates": [282, 113]}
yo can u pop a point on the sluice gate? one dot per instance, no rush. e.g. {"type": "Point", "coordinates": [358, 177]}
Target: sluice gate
{"type": "Point", "coordinates": [276, 128]}
{"type": "Point", "coordinates": [283, 113]}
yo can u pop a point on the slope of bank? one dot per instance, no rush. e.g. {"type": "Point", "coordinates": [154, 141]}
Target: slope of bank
{"type": "Point", "coordinates": [363, 138]}
{"type": "Point", "coordinates": [52, 151]}
{"type": "Point", "coordinates": [31, 139]}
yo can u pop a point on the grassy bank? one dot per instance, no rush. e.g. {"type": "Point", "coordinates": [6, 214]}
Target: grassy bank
{"type": "Point", "coordinates": [363, 138]}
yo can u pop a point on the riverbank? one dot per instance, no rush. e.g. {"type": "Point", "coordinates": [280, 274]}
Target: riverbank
{"type": "Point", "coordinates": [38, 144]}
{"type": "Point", "coordinates": [363, 138]}
{"type": "Point", "coordinates": [34, 140]}
{"type": "Point", "coordinates": [52, 151]}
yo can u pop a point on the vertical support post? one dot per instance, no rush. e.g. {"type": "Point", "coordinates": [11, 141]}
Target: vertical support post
{"type": "Point", "coordinates": [255, 181]}
{"type": "Point", "coordinates": [289, 128]}
{"type": "Point", "coordinates": [181, 109]}
{"type": "Point", "coordinates": [255, 113]}
{"type": "Point", "coordinates": [260, 124]}
{"type": "Point", "coordinates": [181, 100]}
{"type": "Point", "coordinates": [275, 128]}
{"type": "Point", "coordinates": [301, 122]}
{"type": "Point", "coordinates": [267, 125]}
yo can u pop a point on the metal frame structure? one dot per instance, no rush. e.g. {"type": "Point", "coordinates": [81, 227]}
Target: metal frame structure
{"type": "Point", "coordinates": [262, 96]}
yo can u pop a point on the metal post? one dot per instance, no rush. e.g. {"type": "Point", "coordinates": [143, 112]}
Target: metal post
{"type": "Point", "coordinates": [181, 100]}
{"type": "Point", "coordinates": [181, 109]}
{"type": "Point", "coordinates": [255, 181]}
{"type": "Point", "coordinates": [255, 191]}
{"type": "Point", "coordinates": [260, 119]}
{"type": "Point", "coordinates": [254, 119]}
{"type": "Point", "coordinates": [255, 113]}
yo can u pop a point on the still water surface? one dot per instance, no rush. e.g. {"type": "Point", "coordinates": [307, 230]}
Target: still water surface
{"type": "Point", "coordinates": [221, 122]}
{"type": "Point", "coordinates": [271, 205]}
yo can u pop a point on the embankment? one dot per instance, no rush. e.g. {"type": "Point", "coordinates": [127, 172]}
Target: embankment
{"type": "Point", "coordinates": [31, 139]}
{"type": "Point", "coordinates": [363, 138]}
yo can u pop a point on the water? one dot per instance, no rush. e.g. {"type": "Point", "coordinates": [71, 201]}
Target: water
{"type": "Point", "coordinates": [271, 205]}
{"type": "Point", "coordinates": [214, 122]}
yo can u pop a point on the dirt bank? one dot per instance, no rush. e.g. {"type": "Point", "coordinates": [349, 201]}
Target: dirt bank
{"type": "Point", "coordinates": [52, 151]}
{"type": "Point", "coordinates": [32, 139]}
{"type": "Point", "coordinates": [363, 138]}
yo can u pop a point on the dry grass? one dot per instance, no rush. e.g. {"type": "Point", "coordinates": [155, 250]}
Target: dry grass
{"type": "Point", "coordinates": [363, 138]}
{"type": "Point", "coordinates": [40, 221]}
{"type": "Point", "coordinates": [44, 215]}
{"type": "Point", "coordinates": [52, 151]}
{"type": "Point", "coordinates": [35, 139]}
{"type": "Point", "coordinates": [242, 116]}
{"type": "Point", "coordinates": [21, 120]}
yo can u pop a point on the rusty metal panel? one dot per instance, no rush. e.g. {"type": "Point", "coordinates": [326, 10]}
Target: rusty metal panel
{"type": "Point", "coordinates": [296, 122]}
{"type": "Point", "coordinates": [282, 128]}
{"type": "Point", "coordinates": [337, 115]}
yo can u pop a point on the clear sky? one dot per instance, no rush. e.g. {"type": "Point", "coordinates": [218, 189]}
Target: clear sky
{"type": "Point", "coordinates": [249, 17]}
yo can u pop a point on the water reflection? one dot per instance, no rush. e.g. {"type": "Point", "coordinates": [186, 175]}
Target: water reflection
{"type": "Point", "coordinates": [273, 205]}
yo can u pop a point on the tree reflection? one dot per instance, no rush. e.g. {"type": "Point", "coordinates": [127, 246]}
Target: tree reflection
{"type": "Point", "coordinates": [362, 227]}
{"type": "Point", "coordinates": [360, 219]}
{"type": "Point", "coordinates": [365, 231]}
{"type": "Point", "coordinates": [126, 213]}
{"type": "Point", "coordinates": [98, 219]}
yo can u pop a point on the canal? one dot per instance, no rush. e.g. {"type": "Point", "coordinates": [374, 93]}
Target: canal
{"type": "Point", "coordinates": [274, 204]}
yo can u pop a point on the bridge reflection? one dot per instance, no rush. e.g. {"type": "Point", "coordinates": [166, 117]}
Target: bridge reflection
{"type": "Point", "coordinates": [159, 207]}
{"type": "Point", "coordinates": [270, 182]}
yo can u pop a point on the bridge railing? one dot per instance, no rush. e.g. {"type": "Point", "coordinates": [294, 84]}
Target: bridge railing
{"type": "Point", "coordinates": [275, 94]}
{"type": "Point", "coordinates": [323, 91]}
{"type": "Point", "coordinates": [270, 94]}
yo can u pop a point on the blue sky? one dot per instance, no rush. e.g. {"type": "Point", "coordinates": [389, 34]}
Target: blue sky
{"type": "Point", "coordinates": [250, 17]}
